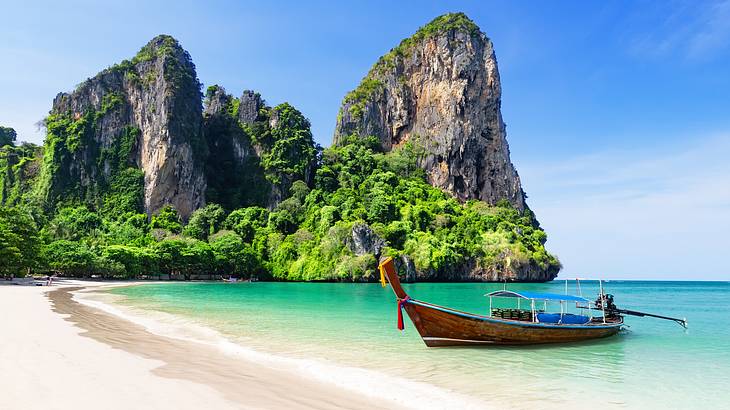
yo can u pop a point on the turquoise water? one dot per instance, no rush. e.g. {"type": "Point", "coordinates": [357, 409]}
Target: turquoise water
{"type": "Point", "coordinates": [655, 364]}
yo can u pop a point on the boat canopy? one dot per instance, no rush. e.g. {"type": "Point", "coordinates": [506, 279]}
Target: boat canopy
{"type": "Point", "coordinates": [535, 295]}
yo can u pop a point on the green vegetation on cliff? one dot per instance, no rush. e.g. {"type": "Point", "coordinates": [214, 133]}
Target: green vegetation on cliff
{"type": "Point", "coordinates": [7, 136]}
{"type": "Point", "coordinates": [249, 161]}
{"type": "Point", "coordinates": [371, 84]}
{"type": "Point", "coordinates": [308, 236]}
{"type": "Point", "coordinates": [19, 169]}
{"type": "Point", "coordinates": [278, 205]}
{"type": "Point", "coordinates": [113, 184]}
{"type": "Point", "coordinates": [439, 25]}
{"type": "Point", "coordinates": [234, 177]}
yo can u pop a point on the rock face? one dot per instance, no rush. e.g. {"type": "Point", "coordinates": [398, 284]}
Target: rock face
{"type": "Point", "coordinates": [474, 272]}
{"type": "Point", "coordinates": [256, 152]}
{"type": "Point", "coordinates": [364, 241]}
{"type": "Point", "coordinates": [233, 172]}
{"type": "Point", "coordinates": [249, 107]}
{"type": "Point", "coordinates": [154, 98]}
{"type": "Point", "coordinates": [440, 90]}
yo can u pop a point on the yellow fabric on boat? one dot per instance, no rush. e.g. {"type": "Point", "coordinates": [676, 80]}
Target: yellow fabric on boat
{"type": "Point", "coordinates": [382, 275]}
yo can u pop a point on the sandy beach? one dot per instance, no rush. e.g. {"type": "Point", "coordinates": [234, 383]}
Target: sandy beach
{"type": "Point", "coordinates": [56, 353]}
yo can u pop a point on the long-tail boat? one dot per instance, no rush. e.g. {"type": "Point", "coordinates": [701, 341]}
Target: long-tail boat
{"type": "Point", "coordinates": [443, 326]}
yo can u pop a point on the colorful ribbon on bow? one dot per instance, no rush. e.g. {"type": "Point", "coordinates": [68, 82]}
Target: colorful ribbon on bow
{"type": "Point", "coordinates": [401, 303]}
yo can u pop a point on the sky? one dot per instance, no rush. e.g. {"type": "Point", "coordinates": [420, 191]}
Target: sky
{"type": "Point", "coordinates": [617, 112]}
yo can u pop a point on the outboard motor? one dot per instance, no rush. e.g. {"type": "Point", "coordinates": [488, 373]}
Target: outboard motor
{"type": "Point", "coordinates": [612, 312]}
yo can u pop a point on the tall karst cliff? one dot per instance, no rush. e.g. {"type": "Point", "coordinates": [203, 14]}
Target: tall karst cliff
{"type": "Point", "coordinates": [440, 89]}
{"type": "Point", "coordinates": [130, 137]}
{"type": "Point", "coordinates": [139, 136]}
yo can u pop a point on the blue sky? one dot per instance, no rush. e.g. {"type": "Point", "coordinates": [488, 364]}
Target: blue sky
{"type": "Point", "coordinates": [616, 112]}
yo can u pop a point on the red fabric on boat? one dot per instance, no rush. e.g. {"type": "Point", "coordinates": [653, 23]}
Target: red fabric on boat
{"type": "Point", "coordinates": [401, 302]}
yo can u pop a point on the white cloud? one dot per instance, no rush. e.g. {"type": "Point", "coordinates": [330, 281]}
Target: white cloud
{"type": "Point", "coordinates": [650, 214]}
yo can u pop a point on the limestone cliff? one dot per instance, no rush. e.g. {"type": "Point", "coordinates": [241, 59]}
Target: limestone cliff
{"type": "Point", "coordinates": [440, 90]}
{"type": "Point", "coordinates": [233, 171]}
{"type": "Point", "coordinates": [143, 114]}
{"type": "Point", "coordinates": [256, 152]}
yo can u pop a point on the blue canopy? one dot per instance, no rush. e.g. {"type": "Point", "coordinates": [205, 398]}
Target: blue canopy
{"type": "Point", "coordinates": [535, 295]}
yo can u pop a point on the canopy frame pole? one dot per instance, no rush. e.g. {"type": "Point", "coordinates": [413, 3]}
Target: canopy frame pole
{"type": "Point", "coordinates": [490, 306]}
{"type": "Point", "coordinates": [532, 308]}
{"type": "Point", "coordinates": [603, 300]}
{"type": "Point", "coordinates": [580, 293]}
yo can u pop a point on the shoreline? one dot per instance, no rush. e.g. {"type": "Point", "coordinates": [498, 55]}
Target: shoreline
{"type": "Point", "coordinates": [380, 389]}
{"type": "Point", "coordinates": [61, 353]}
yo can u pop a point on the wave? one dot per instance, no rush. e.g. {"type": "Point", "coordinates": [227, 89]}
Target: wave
{"type": "Point", "coordinates": [400, 391]}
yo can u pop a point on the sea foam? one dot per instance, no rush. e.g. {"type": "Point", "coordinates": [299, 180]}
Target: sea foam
{"type": "Point", "coordinates": [398, 390]}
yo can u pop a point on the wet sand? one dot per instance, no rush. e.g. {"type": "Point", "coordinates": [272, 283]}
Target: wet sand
{"type": "Point", "coordinates": [80, 357]}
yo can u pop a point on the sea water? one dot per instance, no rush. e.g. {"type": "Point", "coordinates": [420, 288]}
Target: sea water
{"type": "Point", "coordinates": [653, 364]}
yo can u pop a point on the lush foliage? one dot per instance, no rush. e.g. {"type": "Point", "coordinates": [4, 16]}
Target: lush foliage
{"type": "Point", "coordinates": [308, 236]}
{"type": "Point", "coordinates": [117, 184]}
{"type": "Point", "coordinates": [20, 242]}
{"type": "Point", "coordinates": [364, 92]}
{"type": "Point", "coordinates": [278, 205]}
{"type": "Point", "coordinates": [441, 24]}
{"type": "Point", "coordinates": [290, 149]}
{"type": "Point", "coordinates": [232, 181]}
{"type": "Point", "coordinates": [281, 135]}
{"type": "Point", "coordinates": [19, 169]}
{"type": "Point", "coordinates": [7, 136]}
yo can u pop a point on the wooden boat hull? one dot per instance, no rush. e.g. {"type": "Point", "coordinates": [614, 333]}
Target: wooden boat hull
{"type": "Point", "coordinates": [440, 326]}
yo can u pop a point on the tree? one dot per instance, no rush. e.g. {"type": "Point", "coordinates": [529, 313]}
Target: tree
{"type": "Point", "coordinates": [74, 224]}
{"type": "Point", "coordinates": [293, 151]}
{"type": "Point", "coordinates": [205, 222]}
{"type": "Point", "coordinates": [232, 255]}
{"type": "Point", "coordinates": [136, 261]}
{"type": "Point", "coordinates": [11, 260]}
{"type": "Point", "coordinates": [246, 221]}
{"type": "Point", "coordinates": [184, 256]}
{"type": "Point", "coordinates": [128, 229]}
{"type": "Point", "coordinates": [167, 219]}
{"type": "Point", "coordinates": [71, 258]}
{"type": "Point", "coordinates": [7, 136]}
{"type": "Point", "coordinates": [20, 243]}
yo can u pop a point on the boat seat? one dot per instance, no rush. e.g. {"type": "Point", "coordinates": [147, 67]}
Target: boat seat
{"type": "Point", "coordinates": [567, 318]}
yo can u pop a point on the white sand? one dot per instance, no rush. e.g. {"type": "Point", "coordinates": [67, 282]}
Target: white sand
{"type": "Point", "coordinates": [45, 363]}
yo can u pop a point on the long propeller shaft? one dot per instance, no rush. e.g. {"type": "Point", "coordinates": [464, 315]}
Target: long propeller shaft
{"type": "Point", "coordinates": [681, 322]}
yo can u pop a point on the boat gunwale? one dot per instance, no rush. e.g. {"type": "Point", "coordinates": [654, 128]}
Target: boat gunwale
{"type": "Point", "coordinates": [512, 322]}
